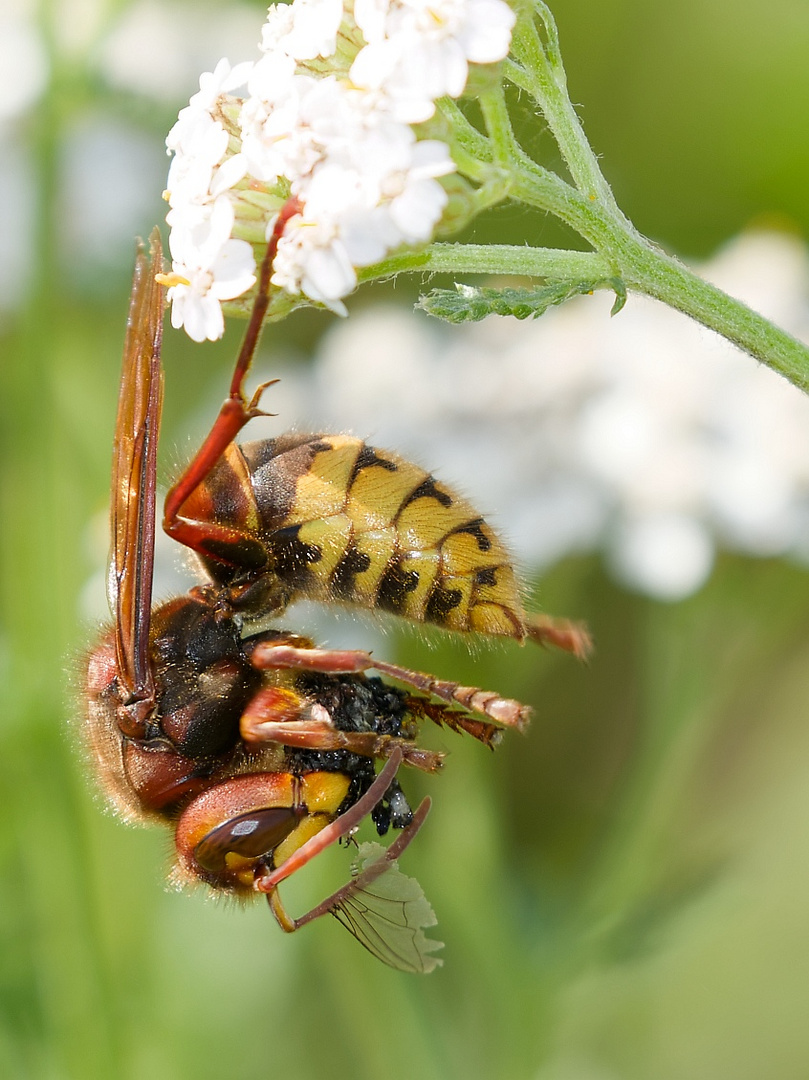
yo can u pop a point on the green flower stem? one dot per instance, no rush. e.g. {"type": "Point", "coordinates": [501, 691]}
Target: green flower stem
{"type": "Point", "coordinates": [464, 136]}
{"type": "Point", "coordinates": [640, 266]}
{"type": "Point", "coordinates": [656, 274]}
{"type": "Point", "coordinates": [590, 208]}
{"type": "Point", "coordinates": [549, 263]}
{"type": "Point", "coordinates": [498, 125]}
{"type": "Point", "coordinates": [537, 186]}
{"type": "Point", "coordinates": [644, 268]}
{"type": "Point", "coordinates": [492, 166]}
{"type": "Point", "coordinates": [587, 205]}
{"type": "Point", "coordinates": [541, 73]}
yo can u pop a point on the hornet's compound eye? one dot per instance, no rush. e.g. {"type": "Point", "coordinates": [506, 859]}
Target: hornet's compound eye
{"type": "Point", "coordinates": [248, 835]}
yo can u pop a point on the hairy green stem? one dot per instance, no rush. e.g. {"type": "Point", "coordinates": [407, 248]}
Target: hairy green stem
{"type": "Point", "coordinates": [645, 269]}
{"type": "Point", "coordinates": [652, 272]}
{"type": "Point", "coordinates": [498, 125]}
{"type": "Point", "coordinates": [587, 205]}
{"type": "Point", "coordinates": [549, 263]}
{"type": "Point", "coordinates": [543, 76]}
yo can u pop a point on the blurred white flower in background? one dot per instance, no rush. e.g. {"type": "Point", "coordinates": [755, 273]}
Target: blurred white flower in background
{"type": "Point", "coordinates": [644, 435]}
{"type": "Point", "coordinates": [158, 49]}
{"type": "Point", "coordinates": [24, 64]}
{"type": "Point", "coordinates": [111, 169]}
{"type": "Point", "coordinates": [23, 61]}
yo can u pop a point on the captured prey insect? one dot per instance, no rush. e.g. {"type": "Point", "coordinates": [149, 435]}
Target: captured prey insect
{"type": "Point", "coordinates": [254, 745]}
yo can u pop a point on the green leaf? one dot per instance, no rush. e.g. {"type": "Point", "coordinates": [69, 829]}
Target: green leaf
{"type": "Point", "coordinates": [466, 303]}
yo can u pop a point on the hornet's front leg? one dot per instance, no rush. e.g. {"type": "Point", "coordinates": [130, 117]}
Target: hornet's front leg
{"type": "Point", "coordinates": [222, 543]}
{"type": "Point", "coordinates": [268, 655]}
{"type": "Point", "coordinates": [281, 715]}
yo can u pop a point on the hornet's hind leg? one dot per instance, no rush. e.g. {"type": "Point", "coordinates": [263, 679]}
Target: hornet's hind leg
{"type": "Point", "coordinates": [572, 637]}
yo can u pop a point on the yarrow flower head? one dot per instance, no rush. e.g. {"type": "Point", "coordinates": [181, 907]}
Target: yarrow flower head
{"type": "Point", "coordinates": [324, 116]}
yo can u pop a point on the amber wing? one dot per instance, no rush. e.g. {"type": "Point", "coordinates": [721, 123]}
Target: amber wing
{"type": "Point", "coordinates": [134, 471]}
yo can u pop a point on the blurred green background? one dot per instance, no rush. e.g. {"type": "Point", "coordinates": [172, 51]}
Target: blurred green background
{"type": "Point", "coordinates": [623, 894]}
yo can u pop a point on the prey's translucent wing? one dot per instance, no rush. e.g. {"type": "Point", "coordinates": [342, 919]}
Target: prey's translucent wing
{"type": "Point", "coordinates": [381, 907]}
{"type": "Point", "coordinates": [134, 471]}
{"type": "Point", "coordinates": [388, 913]}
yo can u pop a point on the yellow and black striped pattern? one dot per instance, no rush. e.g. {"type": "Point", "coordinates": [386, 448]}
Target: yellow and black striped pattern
{"type": "Point", "coordinates": [343, 521]}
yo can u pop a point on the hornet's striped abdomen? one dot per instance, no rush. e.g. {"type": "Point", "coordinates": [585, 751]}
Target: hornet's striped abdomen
{"type": "Point", "coordinates": [340, 520]}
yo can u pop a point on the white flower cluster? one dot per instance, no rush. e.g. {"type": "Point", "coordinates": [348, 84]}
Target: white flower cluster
{"type": "Point", "coordinates": [645, 436]}
{"type": "Point", "coordinates": [326, 119]}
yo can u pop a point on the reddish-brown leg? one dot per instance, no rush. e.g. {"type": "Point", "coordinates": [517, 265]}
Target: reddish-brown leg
{"type": "Point", "coordinates": [563, 634]}
{"type": "Point", "coordinates": [504, 711]}
{"type": "Point", "coordinates": [445, 716]}
{"type": "Point", "coordinates": [344, 825]}
{"type": "Point", "coordinates": [234, 414]}
{"type": "Point", "coordinates": [282, 716]}
{"type": "Point", "coordinates": [356, 884]}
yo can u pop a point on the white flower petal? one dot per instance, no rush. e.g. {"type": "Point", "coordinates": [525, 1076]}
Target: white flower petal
{"type": "Point", "coordinates": [417, 209]}
{"type": "Point", "coordinates": [200, 316]}
{"type": "Point", "coordinates": [368, 237]}
{"type": "Point", "coordinates": [233, 270]}
{"type": "Point", "coordinates": [315, 28]}
{"type": "Point", "coordinates": [486, 34]}
{"type": "Point", "coordinates": [215, 266]}
{"type": "Point", "coordinates": [328, 273]}
{"type": "Point", "coordinates": [280, 20]}
{"type": "Point", "coordinates": [230, 172]}
{"type": "Point", "coordinates": [370, 16]}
